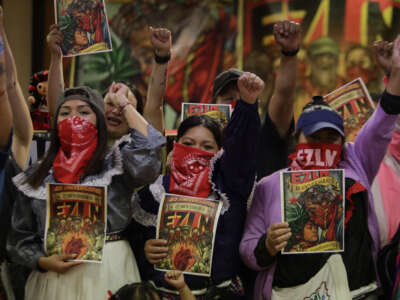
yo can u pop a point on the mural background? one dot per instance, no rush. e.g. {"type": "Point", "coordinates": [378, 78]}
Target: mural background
{"type": "Point", "coordinates": [212, 36]}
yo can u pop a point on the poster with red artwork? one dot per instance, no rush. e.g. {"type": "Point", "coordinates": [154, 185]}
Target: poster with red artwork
{"type": "Point", "coordinates": [189, 225]}
{"type": "Point", "coordinates": [76, 221]}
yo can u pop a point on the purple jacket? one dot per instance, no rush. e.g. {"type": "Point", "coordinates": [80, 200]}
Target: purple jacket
{"type": "Point", "coordinates": [360, 160]}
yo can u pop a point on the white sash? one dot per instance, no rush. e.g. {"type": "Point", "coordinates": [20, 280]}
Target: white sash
{"type": "Point", "coordinates": [330, 283]}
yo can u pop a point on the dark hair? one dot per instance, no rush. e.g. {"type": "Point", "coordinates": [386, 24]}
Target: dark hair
{"type": "Point", "coordinates": [224, 90]}
{"type": "Point", "coordinates": [201, 120]}
{"type": "Point", "coordinates": [135, 91]}
{"type": "Point", "coordinates": [297, 228]}
{"type": "Point", "coordinates": [136, 291]}
{"type": "Point", "coordinates": [96, 163]}
{"type": "Point", "coordinates": [37, 78]}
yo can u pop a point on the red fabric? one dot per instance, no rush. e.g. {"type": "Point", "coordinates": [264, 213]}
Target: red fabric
{"type": "Point", "coordinates": [91, 22]}
{"type": "Point", "coordinates": [354, 189]}
{"type": "Point", "coordinates": [385, 80]}
{"type": "Point", "coordinates": [233, 104]}
{"type": "Point", "coordinates": [40, 120]}
{"type": "Point", "coordinates": [190, 169]}
{"type": "Point", "coordinates": [325, 217]}
{"type": "Point", "coordinates": [358, 71]}
{"type": "Point", "coordinates": [78, 139]}
{"type": "Point", "coordinates": [309, 156]}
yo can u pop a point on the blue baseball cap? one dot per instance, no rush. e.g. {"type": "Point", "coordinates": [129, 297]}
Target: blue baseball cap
{"type": "Point", "coordinates": [317, 115]}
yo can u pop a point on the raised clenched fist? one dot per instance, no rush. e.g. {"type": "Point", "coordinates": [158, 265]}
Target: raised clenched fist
{"type": "Point", "coordinates": [287, 35]}
{"type": "Point", "coordinates": [250, 87]}
{"type": "Point", "coordinates": [161, 40]}
{"type": "Point", "coordinates": [55, 39]}
{"type": "Point", "coordinates": [383, 55]}
{"type": "Point", "coordinates": [396, 53]}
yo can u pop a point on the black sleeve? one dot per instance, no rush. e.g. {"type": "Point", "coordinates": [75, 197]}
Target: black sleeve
{"type": "Point", "coordinates": [263, 258]}
{"type": "Point", "coordinates": [272, 150]}
{"type": "Point", "coordinates": [390, 103]}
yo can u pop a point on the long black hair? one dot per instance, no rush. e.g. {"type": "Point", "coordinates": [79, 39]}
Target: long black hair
{"type": "Point", "coordinates": [96, 163]}
{"type": "Point", "coordinates": [205, 121]}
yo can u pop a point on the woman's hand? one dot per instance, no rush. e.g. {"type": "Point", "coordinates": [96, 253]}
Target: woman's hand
{"type": "Point", "coordinates": [383, 55]}
{"type": "Point", "coordinates": [288, 35]}
{"type": "Point", "coordinates": [155, 250]}
{"type": "Point", "coordinates": [58, 262]}
{"type": "Point", "coordinates": [277, 236]}
{"type": "Point", "coordinates": [176, 279]}
{"type": "Point", "coordinates": [54, 40]}
{"type": "Point", "coordinates": [161, 41]}
{"type": "Point", "coordinates": [250, 87]}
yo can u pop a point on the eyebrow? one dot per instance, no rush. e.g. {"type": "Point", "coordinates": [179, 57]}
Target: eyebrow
{"type": "Point", "coordinates": [79, 106]}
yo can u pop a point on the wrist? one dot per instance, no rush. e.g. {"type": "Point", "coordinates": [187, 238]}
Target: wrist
{"type": "Point", "coordinates": [269, 249]}
{"type": "Point", "coordinates": [55, 56]}
{"type": "Point", "coordinates": [183, 289]}
{"type": "Point", "coordinates": [41, 263]}
{"type": "Point", "coordinates": [162, 52]}
{"type": "Point", "coordinates": [162, 58]}
{"type": "Point", "coordinates": [122, 106]}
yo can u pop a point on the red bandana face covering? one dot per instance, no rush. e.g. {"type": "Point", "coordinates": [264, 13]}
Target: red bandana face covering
{"type": "Point", "coordinates": [78, 139]}
{"type": "Point", "coordinates": [309, 156]}
{"type": "Point", "coordinates": [190, 168]}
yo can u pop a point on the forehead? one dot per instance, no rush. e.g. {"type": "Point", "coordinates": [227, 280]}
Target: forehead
{"type": "Point", "coordinates": [74, 103]}
{"type": "Point", "coordinates": [199, 133]}
{"type": "Point", "coordinates": [325, 131]}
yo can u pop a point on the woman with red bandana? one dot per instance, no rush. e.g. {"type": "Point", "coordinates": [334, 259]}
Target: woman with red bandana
{"type": "Point", "coordinates": [200, 168]}
{"type": "Point", "coordinates": [78, 154]}
{"type": "Point", "coordinates": [321, 145]}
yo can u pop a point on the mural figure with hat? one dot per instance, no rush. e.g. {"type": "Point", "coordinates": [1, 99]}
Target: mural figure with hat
{"type": "Point", "coordinates": [323, 55]}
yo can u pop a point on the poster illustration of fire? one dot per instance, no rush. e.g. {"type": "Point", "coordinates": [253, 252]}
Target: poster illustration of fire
{"type": "Point", "coordinates": [84, 25]}
{"type": "Point", "coordinates": [313, 206]}
{"type": "Point", "coordinates": [354, 104]}
{"type": "Point", "coordinates": [189, 225]}
{"type": "Point", "coordinates": [220, 112]}
{"type": "Point", "coordinates": [76, 221]}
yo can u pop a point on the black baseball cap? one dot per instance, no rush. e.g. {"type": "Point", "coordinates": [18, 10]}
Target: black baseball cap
{"type": "Point", "coordinates": [223, 79]}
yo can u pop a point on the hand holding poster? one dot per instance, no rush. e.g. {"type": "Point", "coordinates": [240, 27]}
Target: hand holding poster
{"type": "Point", "coordinates": [76, 221]}
{"type": "Point", "coordinates": [84, 25]}
{"type": "Point", "coordinates": [189, 225]}
{"type": "Point", "coordinates": [313, 206]}
{"type": "Point", "coordinates": [354, 104]}
{"type": "Point", "coordinates": [220, 112]}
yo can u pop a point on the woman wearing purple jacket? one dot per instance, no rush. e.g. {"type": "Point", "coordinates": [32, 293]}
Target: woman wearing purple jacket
{"type": "Point", "coordinates": [320, 129]}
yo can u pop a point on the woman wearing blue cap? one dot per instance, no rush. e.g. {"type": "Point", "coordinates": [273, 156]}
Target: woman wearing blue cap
{"type": "Point", "coordinates": [320, 139]}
